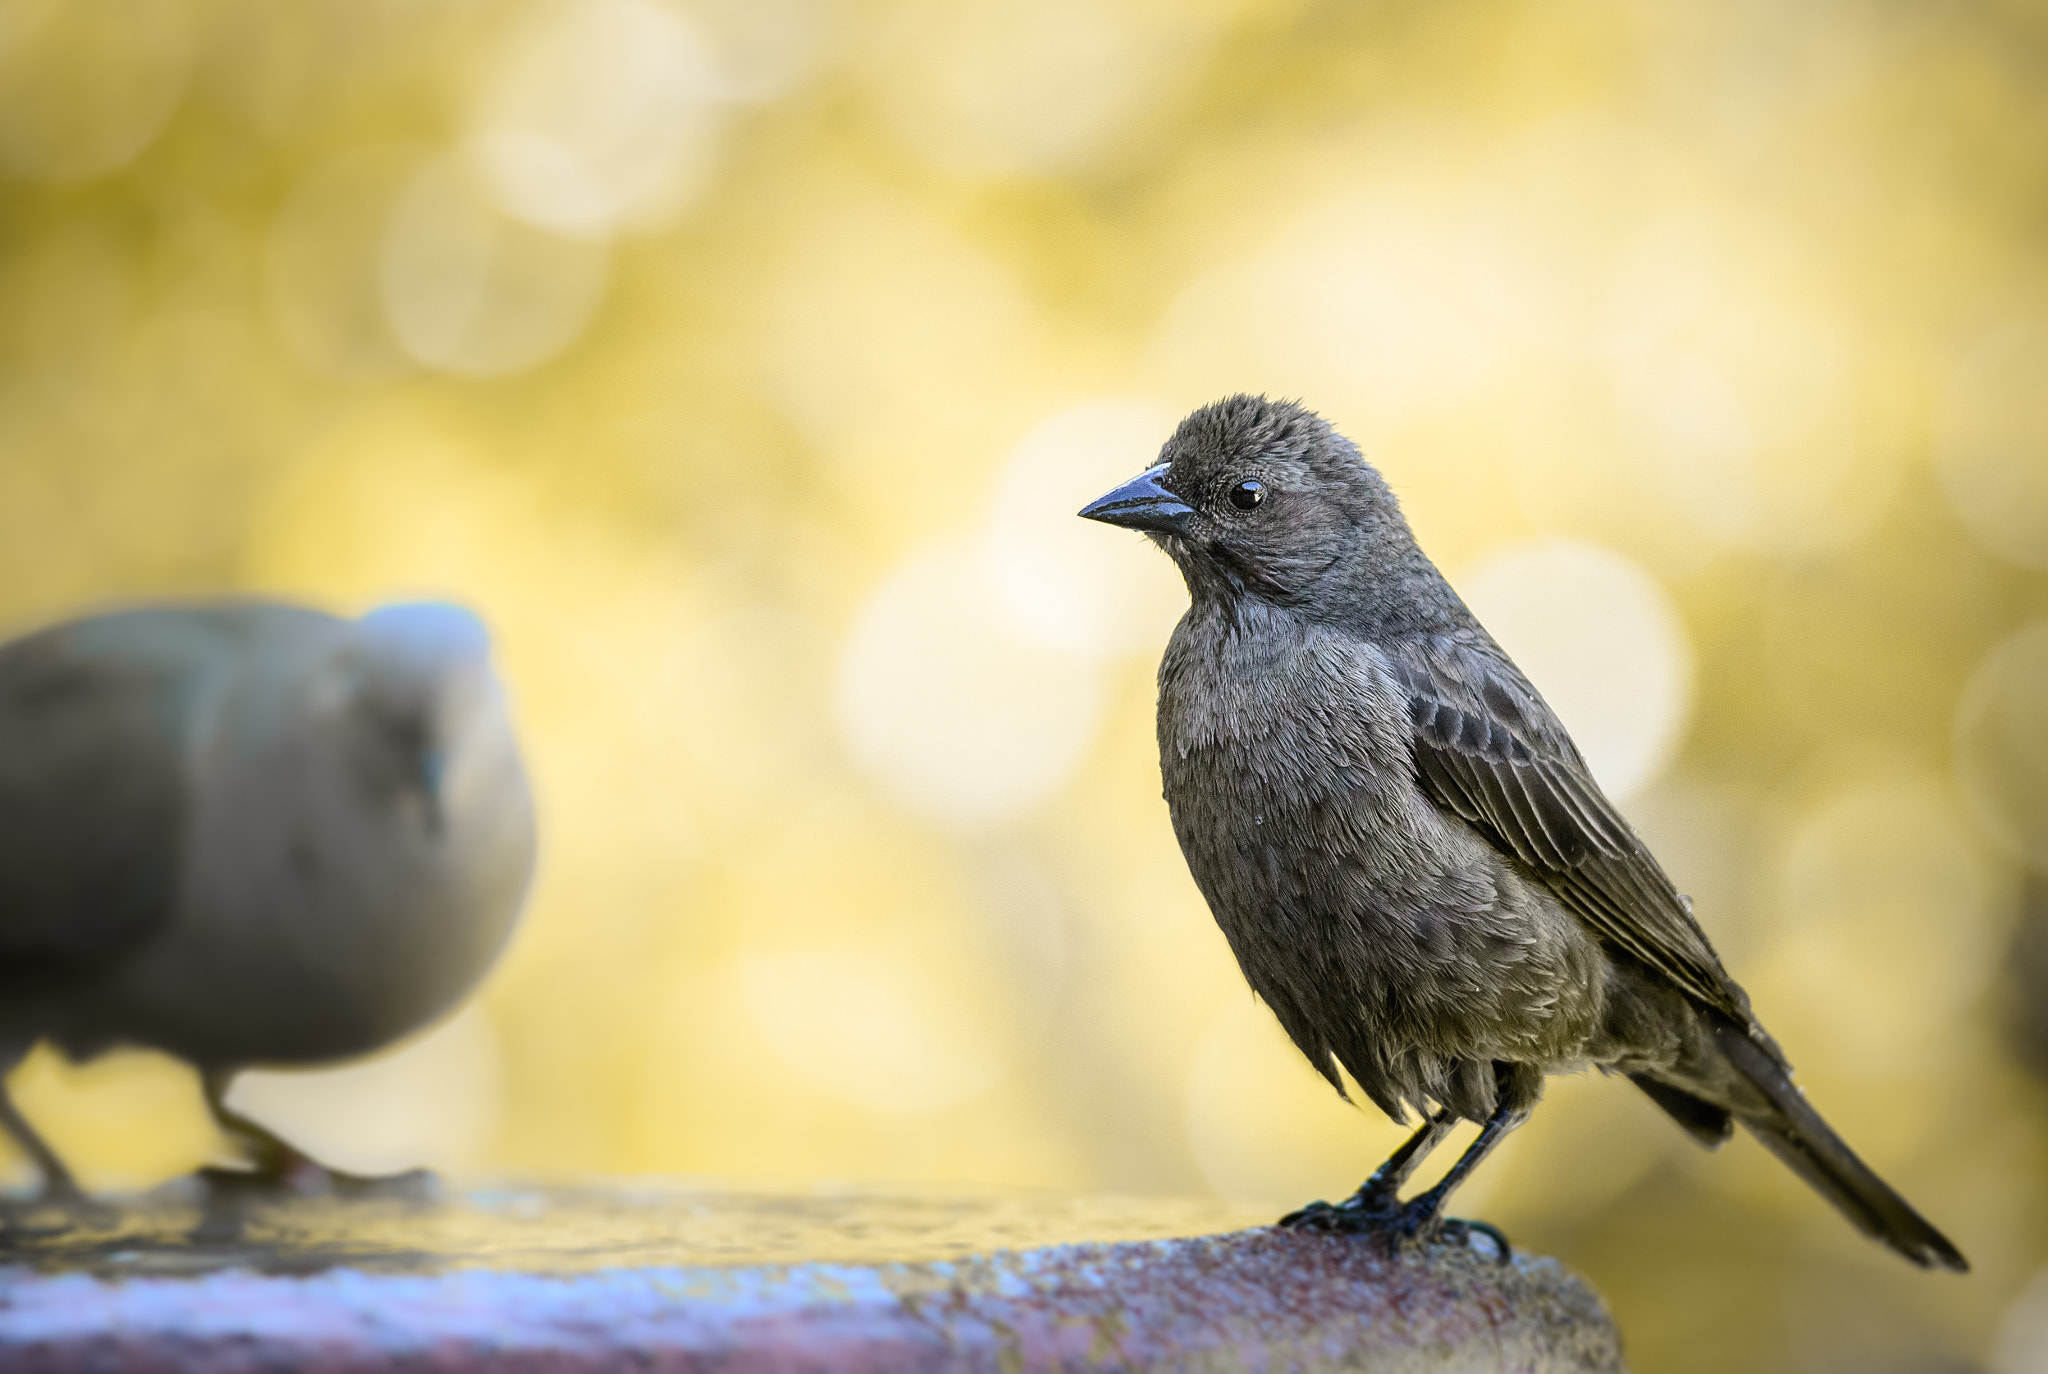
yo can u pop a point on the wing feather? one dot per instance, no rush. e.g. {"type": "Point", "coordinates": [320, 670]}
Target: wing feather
{"type": "Point", "coordinates": [1489, 750]}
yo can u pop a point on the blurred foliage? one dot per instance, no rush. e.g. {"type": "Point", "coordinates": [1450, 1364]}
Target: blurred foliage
{"type": "Point", "coordinates": [743, 362]}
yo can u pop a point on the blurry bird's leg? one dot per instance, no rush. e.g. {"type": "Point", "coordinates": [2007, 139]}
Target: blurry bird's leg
{"type": "Point", "coordinates": [276, 1161]}
{"type": "Point", "coordinates": [269, 1155]}
{"type": "Point", "coordinates": [1382, 1192]}
{"type": "Point", "coordinates": [58, 1183]}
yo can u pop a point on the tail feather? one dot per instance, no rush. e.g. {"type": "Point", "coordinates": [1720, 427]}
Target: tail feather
{"type": "Point", "coordinates": [1703, 1121]}
{"type": "Point", "coordinates": [1793, 1131]}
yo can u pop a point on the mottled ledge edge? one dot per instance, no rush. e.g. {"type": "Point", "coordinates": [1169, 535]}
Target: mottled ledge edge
{"type": "Point", "coordinates": [1255, 1300]}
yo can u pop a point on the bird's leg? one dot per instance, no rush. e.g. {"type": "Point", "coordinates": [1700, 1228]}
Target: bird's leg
{"type": "Point", "coordinates": [59, 1185]}
{"type": "Point", "coordinates": [1422, 1218]}
{"type": "Point", "coordinates": [1381, 1193]}
{"type": "Point", "coordinates": [271, 1157]}
{"type": "Point", "coordinates": [1375, 1206]}
{"type": "Point", "coordinates": [276, 1162]}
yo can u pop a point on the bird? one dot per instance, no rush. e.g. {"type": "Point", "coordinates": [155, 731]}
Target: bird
{"type": "Point", "coordinates": [249, 833]}
{"type": "Point", "coordinates": [1406, 852]}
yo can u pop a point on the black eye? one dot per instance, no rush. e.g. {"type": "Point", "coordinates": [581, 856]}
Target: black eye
{"type": "Point", "coordinates": [1246, 495]}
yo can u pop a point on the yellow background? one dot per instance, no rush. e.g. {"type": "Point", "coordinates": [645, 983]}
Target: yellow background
{"type": "Point", "coordinates": [743, 363]}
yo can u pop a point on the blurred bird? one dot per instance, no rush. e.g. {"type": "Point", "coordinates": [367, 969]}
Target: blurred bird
{"type": "Point", "coordinates": [1404, 848]}
{"type": "Point", "coordinates": [246, 834]}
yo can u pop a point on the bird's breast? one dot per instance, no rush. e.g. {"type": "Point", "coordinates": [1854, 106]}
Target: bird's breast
{"type": "Point", "coordinates": [1291, 717]}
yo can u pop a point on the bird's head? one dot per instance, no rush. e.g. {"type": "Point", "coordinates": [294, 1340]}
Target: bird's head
{"type": "Point", "coordinates": [1261, 498]}
{"type": "Point", "coordinates": [424, 696]}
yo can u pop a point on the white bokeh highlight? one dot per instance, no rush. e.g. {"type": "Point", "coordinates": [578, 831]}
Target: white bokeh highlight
{"type": "Point", "coordinates": [1393, 306]}
{"type": "Point", "coordinates": [942, 699]}
{"type": "Point", "coordinates": [598, 115]}
{"type": "Point", "coordinates": [993, 88]}
{"type": "Point", "coordinates": [1073, 583]}
{"type": "Point", "coordinates": [768, 49]}
{"type": "Point", "coordinates": [971, 683]}
{"type": "Point", "coordinates": [1600, 639]}
{"type": "Point", "coordinates": [469, 290]}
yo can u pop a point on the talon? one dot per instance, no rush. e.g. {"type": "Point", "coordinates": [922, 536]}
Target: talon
{"type": "Point", "coordinates": [1462, 1230]}
{"type": "Point", "coordinates": [1309, 1217]}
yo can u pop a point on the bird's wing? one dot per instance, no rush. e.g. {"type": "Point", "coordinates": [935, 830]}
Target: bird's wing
{"type": "Point", "coordinates": [92, 797]}
{"type": "Point", "coordinates": [1488, 749]}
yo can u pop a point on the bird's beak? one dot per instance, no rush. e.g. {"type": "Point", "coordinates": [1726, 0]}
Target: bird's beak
{"type": "Point", "coordinates": [1142, 504]}
{"type": "Point", "coordinates": [433, 769]}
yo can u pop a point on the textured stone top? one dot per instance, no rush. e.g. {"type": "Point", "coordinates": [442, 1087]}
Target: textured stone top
{"type": "Point", "coordinates": [659, 1279]}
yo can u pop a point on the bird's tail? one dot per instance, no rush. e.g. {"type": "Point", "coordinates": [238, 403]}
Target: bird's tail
{"type": "Point", "coordinates": [1791, 1129]}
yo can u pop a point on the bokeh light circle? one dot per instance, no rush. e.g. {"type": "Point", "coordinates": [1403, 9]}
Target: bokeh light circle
{"type": "Point", "coordinates": [1073, 583]}
{"type": "Point", "coordinates": [598, 113]}
{"type": "Point", "coordinates": [1600, 639]}
{"type": "Point", "coordinates": [1389, 306]}
{"type": "Point", "coordinates": [86, 85]}
{"type": "Point", "coordinates": [990, 88]}
{"type": "Point", "coordinates": [1891, 918]}
{"type": "Point", "coordinates": [944, 702]}
{"type": "Point", "coordinates": [470, 290]}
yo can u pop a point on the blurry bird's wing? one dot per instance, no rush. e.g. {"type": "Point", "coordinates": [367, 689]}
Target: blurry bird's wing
{"type": "Point", "coordinates": [1488, 749]}
{"type": "Point", "coordinates": [92, 796]}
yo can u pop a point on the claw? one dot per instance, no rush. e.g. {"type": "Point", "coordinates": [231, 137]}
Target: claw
{"type": "Point", "coordinates": [1405, 1225]}
{"type": "Point", "coordinates": [1459, 1231]}
{"type": "Point", "coordinates": [1309, 1218]}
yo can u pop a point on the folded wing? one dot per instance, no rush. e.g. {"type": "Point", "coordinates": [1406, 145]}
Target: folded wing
{"type": "Point", "coordinates": [1489, 750]}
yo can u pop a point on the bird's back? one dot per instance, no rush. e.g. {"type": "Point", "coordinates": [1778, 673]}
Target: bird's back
{"type": "Point", "coordinates": [97, 718]}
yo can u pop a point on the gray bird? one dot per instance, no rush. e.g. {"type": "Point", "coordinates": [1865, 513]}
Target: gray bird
{"type": "Point", "coordinates": [1404, 848]}
{"type": "Point", "coordinates": [245, 834]}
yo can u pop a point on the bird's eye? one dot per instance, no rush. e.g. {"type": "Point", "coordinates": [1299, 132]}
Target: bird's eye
{"type": "Point", "coordinates": [1246, 495]}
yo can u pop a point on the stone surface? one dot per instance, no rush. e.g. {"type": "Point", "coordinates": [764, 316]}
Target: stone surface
{"type": "Point", "coordinates": [657, 1279]}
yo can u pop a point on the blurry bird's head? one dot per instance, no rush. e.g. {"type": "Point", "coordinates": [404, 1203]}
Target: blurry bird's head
{"type": "Point", "coordinates": [1263, 498]}
{"type": "Point", "coordinates": [424, 697]}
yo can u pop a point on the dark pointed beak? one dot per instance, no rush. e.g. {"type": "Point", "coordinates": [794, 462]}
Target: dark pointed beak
{"type": "Point", "coordinates": [1142, 504]}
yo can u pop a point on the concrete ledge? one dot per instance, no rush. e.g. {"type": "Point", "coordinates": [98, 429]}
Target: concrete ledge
{"type": "Point", "coordinates": [1255, 1300]}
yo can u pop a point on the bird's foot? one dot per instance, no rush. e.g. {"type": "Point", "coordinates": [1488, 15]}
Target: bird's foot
{"type": "Point", "coordinates": [1371, 1208]}
{"type": "Point", "coordinates": [298, 1176]}
{"type": "Point", "coordinates": [60, 1206]}
{"type": "Point", "coordinates": [1405, 1225]}
{"type": "Point", "coordinates": [1361, 1213]}
{"type": "Point", "coordinates": [1482, 1236]}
